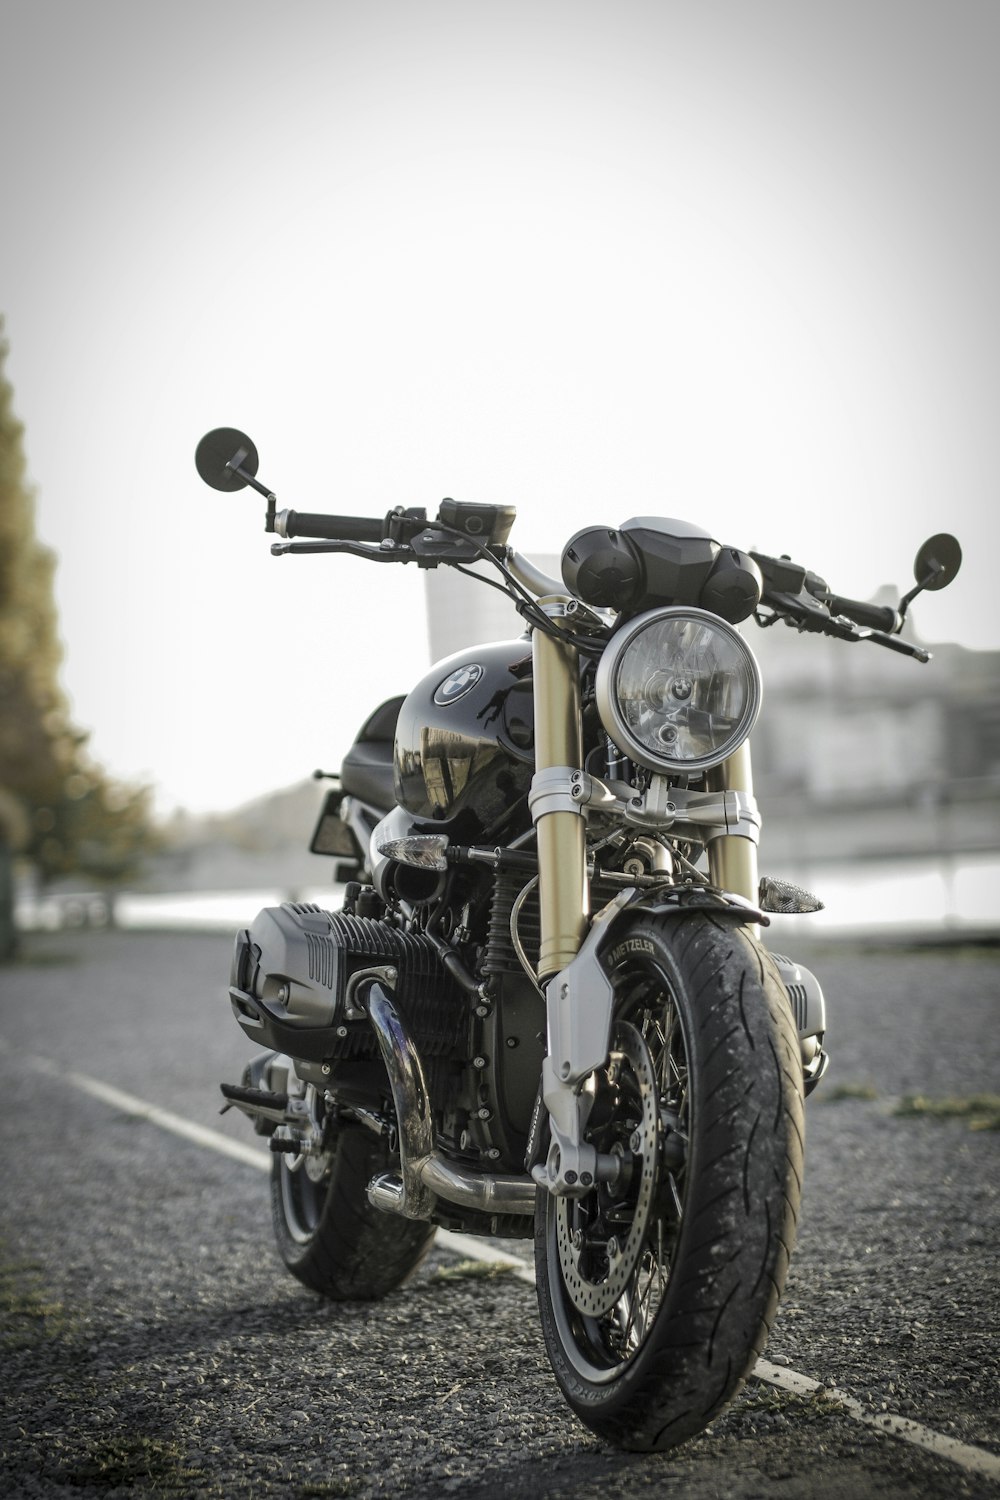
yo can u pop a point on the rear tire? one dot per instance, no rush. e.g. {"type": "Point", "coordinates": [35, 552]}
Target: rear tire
{"type": "Point", "coordinates": [331, 1237]}
{"type": "Point", "coordinates": [657, 1296]}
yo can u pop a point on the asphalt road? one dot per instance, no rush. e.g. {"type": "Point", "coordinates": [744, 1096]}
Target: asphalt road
{"type": "Point", "coordinates": [152, 1343]}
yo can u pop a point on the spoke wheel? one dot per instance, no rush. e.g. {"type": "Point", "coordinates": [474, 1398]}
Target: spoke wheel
{"type": "Point", "coordinates": [303, 1198]}
{"type": "Point", "coordinates": [657, 1291]}
{"type": "Point", "coordinates": [615, 1246]}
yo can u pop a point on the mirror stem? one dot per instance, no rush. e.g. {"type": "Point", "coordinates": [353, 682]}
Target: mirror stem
{"type": "Point", "coordinates": [262, 489]}
{"type": "Point", "coordinates": [926, 582]}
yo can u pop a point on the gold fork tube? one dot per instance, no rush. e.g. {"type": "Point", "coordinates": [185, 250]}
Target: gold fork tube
{"type": "Point", "coordinates": [732, 860]}
{"type": "Point", "coordinates": [562, 845]}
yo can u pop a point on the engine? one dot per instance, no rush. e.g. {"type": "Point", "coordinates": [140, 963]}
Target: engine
{"type": "Point", "coordinates": [295, 979]}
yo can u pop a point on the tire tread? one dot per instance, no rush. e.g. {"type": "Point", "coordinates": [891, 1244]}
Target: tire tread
{"type": "Point", "coordinates": [357, 1252]}
{"type": "Point", "coordinates": [742, 1197]}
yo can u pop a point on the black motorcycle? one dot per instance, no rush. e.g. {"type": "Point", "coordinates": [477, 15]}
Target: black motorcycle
{"type": "Point", "coordinates": [544, 1007]}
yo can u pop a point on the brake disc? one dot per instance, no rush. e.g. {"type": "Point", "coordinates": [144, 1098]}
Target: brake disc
{"type": "Point", "coordinates": [614, 1261]}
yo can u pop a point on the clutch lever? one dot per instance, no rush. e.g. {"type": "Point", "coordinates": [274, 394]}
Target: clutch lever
{"type": "Point", "coordinates": [429, 548]}
{"type": "Point", "coordinates": [805, 614]}
{"type": "Point", "coordinates": [385, 552]}
{"type": "Point", "coordinates": [905, 648]}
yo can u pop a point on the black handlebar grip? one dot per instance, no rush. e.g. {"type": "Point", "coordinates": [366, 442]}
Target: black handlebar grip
{"type": "Point", "coordinates": [874, 616]}
{"type": "Point", "coordinates": [292, 523]}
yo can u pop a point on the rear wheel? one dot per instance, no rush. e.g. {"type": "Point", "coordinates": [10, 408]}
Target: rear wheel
{"type": "Point", "coordinates": [657, 1293]}
{"type": "Point", "coordinates": [329, 1235]}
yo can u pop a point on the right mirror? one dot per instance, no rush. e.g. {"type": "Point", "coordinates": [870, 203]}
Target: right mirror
{"type": "Point", "coordinates": [938, 561]}
{"type": "Point", "coordinates": [220, 453]}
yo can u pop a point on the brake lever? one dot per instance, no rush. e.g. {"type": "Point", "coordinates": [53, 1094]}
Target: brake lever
{"type": "Point", "coordinates": [384, 552]}
{"type": "Point", "coordinates": [808, 616]}
{"type": "Point", "coordinates": [894, 643]}
{"type": "Point", "coordinates": [428, 549]}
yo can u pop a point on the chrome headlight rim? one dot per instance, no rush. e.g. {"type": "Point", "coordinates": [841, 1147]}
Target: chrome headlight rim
{"type": "Point", "coordinates": [606, 692]}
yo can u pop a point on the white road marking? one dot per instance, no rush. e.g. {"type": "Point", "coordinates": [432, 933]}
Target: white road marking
{"type": "Point", "coordinates": [130, 1105]}
{"type": "Point", "coordinates": [472, 1248]}
{"type": "Point", "coordinates": [975, 1460]}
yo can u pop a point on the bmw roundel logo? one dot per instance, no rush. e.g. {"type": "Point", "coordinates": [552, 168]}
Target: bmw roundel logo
{"type": "Point", "coordinates": [457, 684]}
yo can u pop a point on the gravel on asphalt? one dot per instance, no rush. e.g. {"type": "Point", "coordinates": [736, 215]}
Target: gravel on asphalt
{"type": "Point", "coordinates": [152, 1343]}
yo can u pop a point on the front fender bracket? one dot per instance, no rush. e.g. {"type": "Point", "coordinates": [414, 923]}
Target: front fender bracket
{"type": "Point", "coordinates": [579, 1001]}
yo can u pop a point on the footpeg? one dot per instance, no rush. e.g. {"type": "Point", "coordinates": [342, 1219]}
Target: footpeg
{"type": "Point", "coordinates": [266, 1108]}
{"type": "Point", "coordinates": [254, 1098]}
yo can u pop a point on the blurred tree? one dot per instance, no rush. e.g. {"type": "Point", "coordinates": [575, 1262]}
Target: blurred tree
{"type": "Point", "coordinates": [57, 807]}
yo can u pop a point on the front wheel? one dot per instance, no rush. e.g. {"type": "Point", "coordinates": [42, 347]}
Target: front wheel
{"type": "Point", "coordinates": [657, 1292]}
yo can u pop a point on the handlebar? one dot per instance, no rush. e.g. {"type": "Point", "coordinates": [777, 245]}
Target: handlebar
{"type": "Point", "coordinates": [871, 616]}
{"type": "Point", "coordinates": [806, 601]}
{"type": "Point", "coordinates": [290, 523]}
{"type": "Point", "coordinates": [465, 532]}
{"type": "Point", "coordinates": [874, 616]}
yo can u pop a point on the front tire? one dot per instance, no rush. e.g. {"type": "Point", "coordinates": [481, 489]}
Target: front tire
{"type": "Point", "coordinates": [330, 1236]}
{"type": "Point", "coordinates": [657, 1295]}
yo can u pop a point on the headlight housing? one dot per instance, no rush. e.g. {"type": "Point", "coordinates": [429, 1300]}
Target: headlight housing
{"type": "Point", "coordinates": [678, 690]}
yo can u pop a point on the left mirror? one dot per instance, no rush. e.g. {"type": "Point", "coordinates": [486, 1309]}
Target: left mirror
{"type": "Point", "coordinates": [226, 458]}
{"type": "Point", "coordinates": [938, 561]}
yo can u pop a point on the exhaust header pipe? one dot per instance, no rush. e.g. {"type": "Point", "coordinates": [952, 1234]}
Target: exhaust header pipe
{"type": "Point", "coordinates": [425, 1175]}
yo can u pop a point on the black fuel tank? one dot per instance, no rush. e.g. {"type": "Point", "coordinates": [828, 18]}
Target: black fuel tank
{"type": "Point", "coordinates": [465, 737]}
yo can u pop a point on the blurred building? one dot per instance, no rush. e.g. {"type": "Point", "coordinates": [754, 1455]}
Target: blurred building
{"type": "Point", "coordinates": [868, 753]}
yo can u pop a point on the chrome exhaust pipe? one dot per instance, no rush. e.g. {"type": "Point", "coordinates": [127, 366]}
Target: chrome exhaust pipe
{"type": "Point", "coordinates": [406, 1195]}
{"type": "Point", "coordinates": [489, 1193]}
{"type": "Point", "coordinates": [425, 1175]}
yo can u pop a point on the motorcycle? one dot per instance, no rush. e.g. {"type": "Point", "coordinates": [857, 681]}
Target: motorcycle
{"type": "Point", "coordinates": [544, 1008]}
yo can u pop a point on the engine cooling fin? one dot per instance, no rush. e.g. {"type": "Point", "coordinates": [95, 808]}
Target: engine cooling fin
{"type": "Point", "coordinates": [291, 984]}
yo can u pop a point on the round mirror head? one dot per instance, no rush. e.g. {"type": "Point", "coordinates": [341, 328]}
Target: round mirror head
{"type": "Point", "coordinates": [938, 561]}
{"type": "Point", "coordinates": [220, 453]}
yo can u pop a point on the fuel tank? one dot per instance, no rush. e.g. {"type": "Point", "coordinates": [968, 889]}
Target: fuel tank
{"type": "Point", "coordinates": [465, 738]}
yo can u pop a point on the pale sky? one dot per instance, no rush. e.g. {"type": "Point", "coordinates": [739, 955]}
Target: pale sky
{"type": "Point", "coordinates": [734, 262]}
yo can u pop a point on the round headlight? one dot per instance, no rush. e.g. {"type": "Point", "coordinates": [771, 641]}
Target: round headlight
{"type": "Point", "coordinates": [678, 690]}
